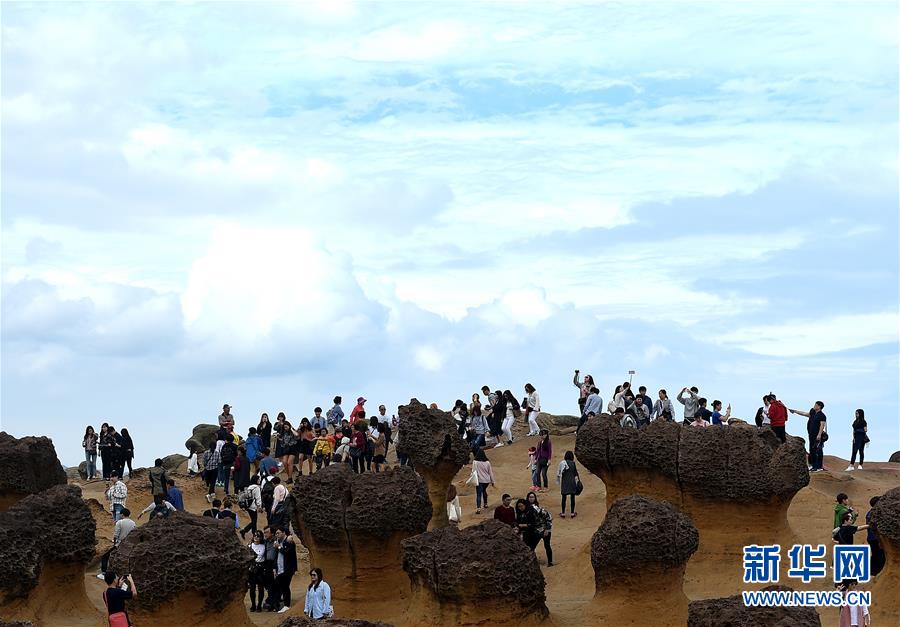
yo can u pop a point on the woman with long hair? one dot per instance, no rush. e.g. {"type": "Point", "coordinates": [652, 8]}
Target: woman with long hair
{"type": "Point", "coordinates": [584, 389]}
{"type": "Point", "coordinates": [127, 449]}
{"type": "Point", "coordinates": [287, 440]}
{"type": "Point", "coordinates": [568, 480]}
{"type": "Point", "coordinates": [264, 430]}
{"type": "Point", "coordinates": [544, 526]}
{"type": "Point", "coordinates": [485, 475]}
{"type": "Point", "coordinates": [479, 425]}
{"type": "Point", "coordinates": [276, 430]}
{"type": "Point", "coordinates": [498, 414]}
{"type": "Point", "coordinates": [460, 415]}
{"type": "Point", "coordinates": [543, 454]}
{"type": "Point", "coordinates": [611, 406]}
{"type": "Point", "coordinates": [257, 576]}
{"type": "Point", "coordinates": [89, 443]}
{"type": "Point", "coordinates": [860, 439]}
{"type": "Point", "coordinates": [510, 406]}
{"type": "Point", "coordinates": [532, 409]}
{"type": "Point", "coordinates": [305, 446]}
{"type": "Point", "coordinates": [526, 523]}
{"type": "Point", "coordinates": [105, 443]}
{"type": "Point", "coordinates": [318, 596]}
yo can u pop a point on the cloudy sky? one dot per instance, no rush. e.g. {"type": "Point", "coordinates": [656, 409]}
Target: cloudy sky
{"type": "Point", "coordinates": [269, 205]}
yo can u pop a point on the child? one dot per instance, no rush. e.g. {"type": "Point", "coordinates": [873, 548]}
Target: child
{"type": "Point", "coordinates": [323, 449]}
{"type": "Point", "coordinates": [533, 467]}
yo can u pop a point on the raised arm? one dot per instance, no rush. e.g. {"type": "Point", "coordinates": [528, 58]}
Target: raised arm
{"type": "Point", "coordinates": [576, 381]}
{"type": "Point", "coordinates": [799, 413]}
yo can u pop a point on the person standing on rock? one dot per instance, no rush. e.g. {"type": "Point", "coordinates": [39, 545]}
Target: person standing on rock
{"type": "Point", "coordinates": [663, 408]}
{"type": "Point", "coordinates": [117, 494]}
{"type": "Point", "coordinates": [359, 412]}
{"type": "Point", "coordinates": [105, 446]}
{"type": "Point", "coordinates": [844, 534]}
{"type": "Point", "coordinates": [691, 403]}
{"type": "Point", "coordinates": [717, 417]}
{"type": "Point", "coordinates": [276, 513]}
{"type": "Point", "coordinates": [127, 451]}
{"type": "Point", "coordinates": [253, 446]}
{"type": "Point", "coordinates": [379, 447]}
{"type": "Point", "coordinates": [358, 446]}
{"type": "Point", "coordinates": [584, 388]}
{"type": "Point", "coordinates": [568, 480]}
{"type": "Point", "coordinates": [816, 430]}
{"type": "Point", "coordinates": [860, 439]}
{"type": "Point", "coordinates": [116, 451]}
{"type": "Point", "coordinates": [211, 461]}
{"type": "Point", "coordinates": [285, 567]}
{"type": "Point", "coordinates": [89, 444]}
{"type": "Point", "coordinates": [287, 442]}
{"type": "Point", "coordinates": [335, 415]}
{"type": "Point", "coordinates": [505, 513]}
{"type": "Point", "coordinates": [159, 482]}
{"type": "Point", "coordinates": [593, 406]}
{"type": "Point", "coordinates": [479, 424]}
{"type": "Point", "coordinates": [226, 419]}
{"type": "Point", "coordinates": [241, 470]}
{"type": "Point", "coordinates": [318, 597]}
{"type": "Point", "coordinates": [543, 455]}
{"type": "Point", "coordinates": [762, 414]}
{"type": "Point", "coordinates": [877, 551]}
{"type": "Point", "coordinates": [227, 457]}
{"type": "Point", "coordinates": [124, 526]}
{"type": "Point", "coordinates": [532, 409]}
{"type": "Point", "coordinates": [253, 506]}
{"type": "Point", "coordinates": [543, 526]}
{"type": "Point", "coordinates": [264, 431]}
{"type": "Point", "coordinates": [776, 414]}
{"type": "Point", "coordinates": [498, 415]}
{"type": "Point", "coordinates": [485, 475]}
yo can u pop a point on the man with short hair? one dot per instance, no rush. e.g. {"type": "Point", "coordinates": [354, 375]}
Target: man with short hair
{"type": "Point", "coordinates": [213, 512]}
{"type": "Point", "coordinates": [174, 496]}
{"type": "Point", "coordinates": [124, 526]}
{"type": "Point", "coordinates": [505, 513]}
{"type": "Point", "coordinates": [388, 428]}
{"type": "Point", "coordinates": [271, 557]}
{"type": "Point", "coordinates": [114, 597]}
{"type": "Point", "coordinates": [226, 513]}
{"type": "Point", "coordinates": [268, 464]}
{"type": "Point", "coordinates": [844, 533]}
{"type": "Point", "coordinates": [335, 415]}
{"type": "Point", "coordinates": [159, 482]}
{"type": "Point", "coordinates": [117, 494]}
{"type": "Point", "coordinates": [226, 418]}
{"type": "Point", "coordinates": [318, 421]}
{"type": "Point", "coordinates": [285, 567]}
{"type": "Point", "coordinates": [815, 430]}
{"type": "Point", "coordinates": [642, 391]}
{"type": "Point", "coordinates": [691, 403]}
{"type": "Point", "coordinates": [227, 456]}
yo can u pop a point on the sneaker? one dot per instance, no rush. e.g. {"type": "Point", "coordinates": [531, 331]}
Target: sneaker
{"type": "Point", "coordinates": [284, 609]}
{"type": "Point", "coordinates": [849, 468]}
{"type": "Point", "coordinates": [498, 445]}
{"type": "Point", "coordinates": [477, 511]}
{"type": "Point", "coordinates": [100, 576]}
{"type": "Point", "coordinates": [860, 467]}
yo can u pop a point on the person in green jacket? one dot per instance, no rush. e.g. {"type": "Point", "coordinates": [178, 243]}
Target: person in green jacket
{"type": "Point", "coordinates": [842, 507]}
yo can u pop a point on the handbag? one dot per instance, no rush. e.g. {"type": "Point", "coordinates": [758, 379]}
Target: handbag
{"type": "Point", "coordinates": [473, 478]}
{"type": "Point", "coordinates": [579, 487]}
{"type": "Point", "coordinates": [119, 619]}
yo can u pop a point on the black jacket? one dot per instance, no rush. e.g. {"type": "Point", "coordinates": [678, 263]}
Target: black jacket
{"type": "Point", "coordinates": [289, 551]}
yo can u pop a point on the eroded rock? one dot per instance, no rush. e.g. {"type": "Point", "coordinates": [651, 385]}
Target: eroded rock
{"type": "Point", "coordinates": [306, 621]}
{"type": "Point", "coordinates": [731, 611]}
{"type": "Point", "coordinates": [27, 466]}
{"type": "Point", "coordinates": [885, 591]}
{"type": "Point", "coordinates": [200, 438]}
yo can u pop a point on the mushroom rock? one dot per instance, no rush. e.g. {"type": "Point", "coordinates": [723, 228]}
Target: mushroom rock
{"type": "Point", "coordinates": [561, 424]}
{"type": "Point", "coordinates": [643, 545]}
{"type": "Point", "coordinates": [352, 524]}
{"type": "Point", "coordinates": [306, 621]}
{"type": "Point", "coordinates": [895, 458]}
{"type": "Point", "coordinates": [27, 466]}
{"type": "Point", "coordinates": [731, 611]}
{"type": "Point", "coordinates": [189, 570]}
{"type": "Point", "coordinates": [172, 463]}
{"type": "Point", "coordinates": [735, 482]}
{"type": "Point", "coordinates": [200, 438]}
{"type": "Point", "coordinates": [462, 576]}
{"type": "Point", "coordinates": [885, 591]}
{"type": "Point", "coordinates": [436, 450]}
{"type": "Point", "coordinates": [46, 541]}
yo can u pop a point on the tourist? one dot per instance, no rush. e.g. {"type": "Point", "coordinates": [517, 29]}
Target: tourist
{"type": "Point", "coordinates": [379, 444]}
{"type": "Point", "coordinates": [479, 424]}
{"type": "Point", "coordinates": [584, 390]}
{"type": "Point", "coordinates": [663, 408]}
{"type": "Point", "coordinates": [211, 461]}
{"type": "Point", "coordinates": [277, 512]}
{"type": "Point", "coordinates": [454, 511]}
{"type": "Point", "coordinates": [776, 414]}
{"type": "Point", "coordinates": [532, 409]}
{"type": "Point", "coordinates": [371, 433]}
{"type": "Point", "coordinates": [264, 431]}
{"type": "Point", "coordinates": [225, 418]}
{"type": "Point", "coordinates": [359, 412]}
{"type": "Point", "coordinates": [698, 421]}
{"type": "Point", "coordinates": [89, 444]}
{"type": "Point", "coordinates": [543, 455]}
{"type": "Point", "coordinates": [318, 420]}
{"type": "Point", "coordinates": [816, 430]}
{"type": "Point", "coordinates": [526, 522]}
{"type": "Point", "coordinates": [878, 556]}
{"type": "Point", "coordinates": [241, 469]}
{"type": "Point", "coordinates": [460, 414]}
{"type": "Point", "coordinates": [267, 465]}
{"type": "Point", "coordinates": [641, 412]}
{"type": "Point", "coordinates": [226, 513]}
{"type": "Point", "coordinates": [276, 433]}
{"type": "Point", "coordinates": [717, 418]}
{"type": "Point", "coordinates": [159, 482]}
{"type": "Point", "coordinates": [388, 428]}
{"type": "Point", "coordinates": [613, 403]}
{"type": "Point", "coordinates": [104, 444]}
{"type": "Point", "coordinates": [642, 392]}
{"type": "Point", "coordinates": [123, 527]}
{"type": "Point", "coordinates": [485, 475]}
{"type": "Point", "coordinates": [844, 534]}
{"type": "Point", "coordinates": [305, 446]}
{"type": "Point", "coordinates": [691, 403]}
{"type": "Point", "coordinates": [127, 450]}
{"type": "Point", "coordinates": [323, 449]}
{"type": "Point", "coordinates": [335, 415]}
{"type": "Point", "coordinates": [702, 410]}
{"type": "Point", "coordinates": [543, 526]}
{"type": "Point", "coordinates": [511, 406]}
{"type": "Point", "coordinates": [498, 415]}
{"type": "Point", "coordinates": [568, 480]}
{"type": "Point", "coordinates": [841, 507]}
{"type": "Point", "coordinates": [114, 598]}
{"type": "Point", "coordinates": [174, 496]}
{"type": "Point", "coordinates": [592, 406]}
{"type": "Point", "coordinates": [287, 440]}
{"type": "Point", "coordinates": [532, 467]}
{"type": "Point", "coordinates": [342, 452]}
{"type": "Point", "coordinates": [506, 513]}
{"type": "Point", "coordinates": [358, 445]}
{"type": "Point", "coordinates": [213, 512]}
{"type": "Point", "coordinates": [852, 614]}
{"type": "Point", "coordinates": [159, 508]}
{"type": "Point", "coordinates": [116, 458]}
{"type": "Point", "coordinates": [860, 439]}
{"type": "Point", "coordinates": [117, 494]}
{"type": "Point", "coordinates": [762, 414]}
{"type": "Point", "coordinates": [227, 456]}
{"type": "Point", "coordinates": [271, 603]}
{"type": "Point", "coordinates": [318, 597]}
{"type": "Point", "coordinates": [256, 578]}
{"type": "Point", "coordinates": [251, 502]}
{"type": "Point", "coordinates": [285, 567]}
{"type": "Point", "coordinates": [253, 447]}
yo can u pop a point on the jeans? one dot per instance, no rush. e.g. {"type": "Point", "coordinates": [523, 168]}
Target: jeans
{"type": "Point", "coordinates": [563, 503]}
{"type": "Point", "coordinates": [542, 470]}
{"type": "Point", "coordinates": [91, 458]}
{"type": "Point", "coordinates": [535, 476]}
{"type": "Point", "coordinates": [481, 494]}
{"type": "Point", "coordinates": [117, 511]}
{"type": "Point", "coordinates": [224, 475]}
{"type": "Point", "coordinates": [477, 442]}
{"type": "Point", "coordinates": [816, 452]}
{"type": "Point", "coordinates": [858, 445]}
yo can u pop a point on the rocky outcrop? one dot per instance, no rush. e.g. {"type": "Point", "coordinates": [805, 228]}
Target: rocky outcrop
{"type": "Point", "coordinates": [46, 540]}
{"type": "Point", "coordinates": [461, 576]}
{"type": "Point", "coordinates": [735, 482]}
{"type": "Point", "coordinates": [885, 591]}
{"type": "Point", "coordinates": [353, 524]}
{"type": "Point", "coordinates": [642, 545]}
{"type": "Point", "coordinates": [200, 438]}
{"type": "Point", "coordinates": [895, 458]}
{"type": "Point", "coordinates": [732, 612]}
{"type": "Point", "coordinates": [27, 466]}
{"type": "Point", "coordinates": [186, 566]}
{"type": "Point", "coordinates": [436, 450]}
{"type": "Point", "coordinates": [306, 621]}
{"type": "Point", "coordinates": [172, 463]}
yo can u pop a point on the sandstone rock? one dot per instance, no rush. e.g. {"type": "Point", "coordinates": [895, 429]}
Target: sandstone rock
{"type": "Point", "coordinates": [200, 438]}
{"type": "Point", "coordinates": [75, 473]}
{"type": "Point", "coordinates": [306, 621]}
{"type": "Point", "coordinates": [173, 462]}
{"type": "Point", "coordinates": [187, 566]}
{"type": "Point", "coordinates": [731, 611]}
{"type": "Point", "coordinates": [16, 623]}
{"type": "Point", "coordinates": [895, 458]}
{"type": "Point", "coordinates": [885, 591]}
{"type": "Point", "coordinates": [46, 541]}
{"type": "Point", "coordinates": [27, 466]}
{"type": "Point", "coordinates": [342, 517]}
{"type": "Point", "coordinates": [459, 576]}
{"type": "Point", "coordinates": [436, 450]}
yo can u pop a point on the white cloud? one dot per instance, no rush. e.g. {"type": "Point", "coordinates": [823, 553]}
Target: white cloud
{"type": "Point", "coordinates": [429, 358]}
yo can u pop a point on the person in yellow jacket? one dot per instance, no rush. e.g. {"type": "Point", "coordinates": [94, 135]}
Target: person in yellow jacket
{"type": "Point", "coordinates": [323, 449]}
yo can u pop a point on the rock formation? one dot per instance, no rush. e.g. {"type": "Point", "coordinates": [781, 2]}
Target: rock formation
{"type": "Point", "coordinates": [173, 462]}
{"type": "Point", "coordinates": [46, 541]}
{"type": "Point", "coordinates": [735, 482]}
{"type": "Point", "coordinates": [200, 438]}
{"type": "Point", "coordinates": [639, 555]}
{"type": "Point", "coordinates": [189, 570]}
{"type": "Point", "coordinates": [27, 466]}
{"type": "Point", "coordinates": [895, 458]}
{"type": "Point", "coordinates": [731, 611]}
{"type": "Point", "coordinates": [305, 621]}
{"type": "Point", "coordinates": [885, 591]}
{"type": "Point", "coordinates": [353, 525]}
{"type": "Point", "coordinates": [436, 450]}
{"type": "Point", "coordinates": [463, 576]}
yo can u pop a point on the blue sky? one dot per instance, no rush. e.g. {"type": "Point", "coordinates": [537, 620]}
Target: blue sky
{"type": "Point", "coordinates": [269, 205]}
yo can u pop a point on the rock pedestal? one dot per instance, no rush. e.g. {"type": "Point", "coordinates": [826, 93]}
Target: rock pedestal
{"type": "Point", "coordinates": [27, 466]}
{"type": "Point", "coordinates": [200, 438]}
{"type": "Point", "coordinates": [886, 586]}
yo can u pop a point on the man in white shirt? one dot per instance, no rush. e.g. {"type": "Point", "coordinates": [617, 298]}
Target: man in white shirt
{"type": "Point", "coordinates": [124, 526]}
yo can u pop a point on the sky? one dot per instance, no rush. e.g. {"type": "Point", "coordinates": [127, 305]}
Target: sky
{"type": "Point", "coordinates": [271, 204]}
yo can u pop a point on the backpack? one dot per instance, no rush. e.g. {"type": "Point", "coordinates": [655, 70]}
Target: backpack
{"type": "Point", "coordinates": [245, 499]}
{"type": "Point", "coordinates": [268, 494]}
{"type": "Point", "coordinates": [229, 453]}
{"type": "Point", "coordinates": [628, 421]}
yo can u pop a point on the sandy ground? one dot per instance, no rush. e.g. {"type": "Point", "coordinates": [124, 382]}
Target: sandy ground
{"type": "Point", "coordinates": [570, 582]}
